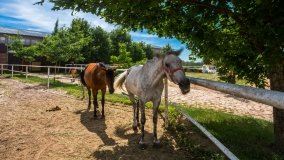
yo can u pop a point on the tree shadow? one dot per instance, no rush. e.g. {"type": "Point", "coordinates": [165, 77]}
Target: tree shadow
{"type": "Point", "coordinates": [96, 125]}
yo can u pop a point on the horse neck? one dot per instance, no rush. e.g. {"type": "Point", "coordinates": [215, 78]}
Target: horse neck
{"type": "Point", "coordinates": [155, 70]}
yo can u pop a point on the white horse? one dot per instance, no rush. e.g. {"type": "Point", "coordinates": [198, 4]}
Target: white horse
{"type": "Point", "coordinates": [146, 82]}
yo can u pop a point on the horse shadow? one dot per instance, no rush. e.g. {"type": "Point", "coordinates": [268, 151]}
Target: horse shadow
{"type": "Point", "coordinates": [96, 125]}
{"type": "Point", "coordinates": [132, 150]}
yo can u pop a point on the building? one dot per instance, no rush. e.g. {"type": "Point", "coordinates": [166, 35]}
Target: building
{"type": "Point", "coordinates": [29, 38]}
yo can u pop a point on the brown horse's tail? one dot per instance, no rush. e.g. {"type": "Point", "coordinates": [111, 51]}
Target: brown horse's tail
{"type": "Point", "coordinates": [120, 80]}
{"type": "Point", "coordinates": [82, 74]}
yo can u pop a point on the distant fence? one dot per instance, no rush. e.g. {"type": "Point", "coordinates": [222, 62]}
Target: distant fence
{"type": "Point", "coordinates": [269, 97]}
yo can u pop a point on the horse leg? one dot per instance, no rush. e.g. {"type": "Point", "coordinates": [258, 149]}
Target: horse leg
{"type": "Point", "coordinates": [95, 101]}
{"type": "Point", "coordinates": [103, 103]}
{"type": "Point", "coordinates": [83, 92]}
{"type": "Point", "coordinates": [156, 104]}
{"type": "Point", "coordinates": [134, 104]}
{"type": "Point", "coordinates": [89, 94]}
{"type": "Point", "coordinates": [137, 112]}
{"type": "Point", "coordinates": [143, 121]}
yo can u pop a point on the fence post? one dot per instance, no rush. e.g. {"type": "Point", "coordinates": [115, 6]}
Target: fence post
{"type": "Point", "coordinates": [27, 72]}
{"type": "Point", "coordinates": [166, 103]}
{"type": "Point", "coordinates": [1, 69]}
{"type": "Point", "coordinates": [12, 71]}
{"type": "Point", "coordinates": [48, 73]}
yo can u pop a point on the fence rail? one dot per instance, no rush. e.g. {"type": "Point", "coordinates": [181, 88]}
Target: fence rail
{"type": "Point", "coordinates": [268, 97]}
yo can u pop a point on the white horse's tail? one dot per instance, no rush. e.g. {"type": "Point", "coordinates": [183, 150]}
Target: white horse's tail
{"type": "Point", "coordinates": [120, 80]}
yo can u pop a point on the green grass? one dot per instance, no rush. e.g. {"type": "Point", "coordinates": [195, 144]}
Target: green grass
{"type": "Point", "coordinates": [246, 137]}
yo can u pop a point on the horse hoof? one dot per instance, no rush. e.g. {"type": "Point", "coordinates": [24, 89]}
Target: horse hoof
{"type": "Point", "coordinates": [156, 144]}
{"type": "Point", "coordinates": [135, 128]}
{"type": "Point", "coordinates": [142, 145]}
{"type": "Point", "coordinates": [138, 124]}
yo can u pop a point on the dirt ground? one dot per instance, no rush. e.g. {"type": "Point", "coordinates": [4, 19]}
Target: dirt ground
{"type": "Point", "coordinates": [32, 128]}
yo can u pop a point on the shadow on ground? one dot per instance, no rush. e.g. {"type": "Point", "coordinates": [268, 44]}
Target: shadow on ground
{"type": "Point", "coordinates": [96, 125]}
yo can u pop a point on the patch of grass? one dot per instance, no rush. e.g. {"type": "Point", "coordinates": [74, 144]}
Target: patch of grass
{"type": "Point", "coordinates": [247, 137]}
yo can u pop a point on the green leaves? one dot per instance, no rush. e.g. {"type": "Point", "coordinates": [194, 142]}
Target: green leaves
{"type": "Point", "coordinates": [219, 31]}
{"type": "Point", "coordinates": [123, 59]}
{"type": "Point", "coordinates": [25, 53]}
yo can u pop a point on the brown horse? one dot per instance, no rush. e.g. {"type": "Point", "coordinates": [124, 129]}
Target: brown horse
{"type": "Point", "coordinates": [97, 76]}
{"type": "Point", "coordinates": [73, 73]}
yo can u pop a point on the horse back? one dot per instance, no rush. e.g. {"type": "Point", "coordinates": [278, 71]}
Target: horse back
{"type": "Point", "coordinates": [95, 76]}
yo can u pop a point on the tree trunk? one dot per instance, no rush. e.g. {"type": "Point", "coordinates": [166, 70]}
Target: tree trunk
{"type": "Point", "coordinates": [277, 83]}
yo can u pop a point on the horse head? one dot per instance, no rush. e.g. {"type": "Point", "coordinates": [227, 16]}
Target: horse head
{"type": "Point", "coordinates": [110, 78]}
{"type": "Point", "coordinates": [172, 67]}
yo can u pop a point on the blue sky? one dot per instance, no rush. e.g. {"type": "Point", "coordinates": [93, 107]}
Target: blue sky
{"type": "Point", "coordinates": [22, 14]}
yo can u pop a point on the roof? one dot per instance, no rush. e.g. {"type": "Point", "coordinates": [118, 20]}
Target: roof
{"type": "Point", "coordinates": [23, 32]}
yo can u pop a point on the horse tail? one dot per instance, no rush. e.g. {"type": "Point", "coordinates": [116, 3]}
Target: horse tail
{"type": "Point", "coordinates": [120, 79]}
{"type": "Point", "coordinates": [82, 74]}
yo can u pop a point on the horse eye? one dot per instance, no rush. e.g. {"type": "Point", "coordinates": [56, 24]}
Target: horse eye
{"type": "Point", "coordinates": [167, 65]}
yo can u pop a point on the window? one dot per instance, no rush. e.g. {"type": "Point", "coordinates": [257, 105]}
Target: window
{"type": "Point", "coordinates": [27, 42]}
{"type": "Point", "coordinates": [2, 39]}
{"type": "Point", "coordinates": [33, 41]}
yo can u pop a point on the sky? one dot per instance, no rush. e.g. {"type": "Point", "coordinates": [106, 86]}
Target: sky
{"type": "Point", "coordinates": [22, 14]}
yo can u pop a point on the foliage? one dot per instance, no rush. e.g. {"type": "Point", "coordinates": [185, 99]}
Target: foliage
{"type": "Point", "coordinates": [64, 46]}
{"type": "Point", "coordinates": [55, 30]}
{"type": "Point", "coordinates": [137, 52]}
{"type": "Point", "coordinates": [118, 36]}
{"type": "Point", "coordinates": [249, 33]}
{"type": "Point", "coordinates": [100, 46]}
{"type": "Point", "coordinates": [166, 48]}
{"type": "Point", "coordinates": [25, 53]}
{"type": "Point", "coordinates": [123, 59]}
{"type": "Point", "coordinates": [148, 51]}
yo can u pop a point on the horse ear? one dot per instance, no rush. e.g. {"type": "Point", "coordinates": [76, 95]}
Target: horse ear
{"type": "Point", "coordinates": [177, 53]}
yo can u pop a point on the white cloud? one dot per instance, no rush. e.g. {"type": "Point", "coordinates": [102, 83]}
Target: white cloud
{"type": "Point", "coordinates": [44, 18]}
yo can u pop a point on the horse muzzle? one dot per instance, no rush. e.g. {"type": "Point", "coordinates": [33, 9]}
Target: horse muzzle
{"type": "Point", "coordinates": [184, 85]}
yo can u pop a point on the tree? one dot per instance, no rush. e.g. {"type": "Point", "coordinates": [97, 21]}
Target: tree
{"type": "Point", "coordinates": [123, 59]}
{"type": "Point", "coordinates": [64, 46]}
{"type": "Point", "coordinates": [79, 38]}
{"type": "Point", "coordinates": [137, 52]}
{"type": "Point", "coordinates": [27, 54]}
{"type": "Point", "coordinates": [148, 51]}
{"type": "Point", "coordinates": [100, 46]}
{"type": "Point", "coordinates": [55, 30]}
{"type": "Point", "coordinates": [250, 33]}
{"type": "Point", "coordinates": [118, 36]}
{"type": "Point", "coordinates": [166, 48]}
